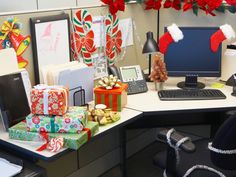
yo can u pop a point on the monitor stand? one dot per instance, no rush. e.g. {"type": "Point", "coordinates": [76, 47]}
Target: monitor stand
{"type": "Point", "coordinates": [191, 83]}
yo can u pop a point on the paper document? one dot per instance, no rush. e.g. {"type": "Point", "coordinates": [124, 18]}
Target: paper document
{"type": "Point", "coordinates": [8, 61]}
{"type": "Point", "coordinates": [126, 27]}
{"type": "Point", "coordinates": [99, 31]}
{"type": "Point", "coordinates": [9, 169]}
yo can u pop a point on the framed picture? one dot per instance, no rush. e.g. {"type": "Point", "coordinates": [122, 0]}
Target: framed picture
{"type": "Point", "coordinates": [51, 42]}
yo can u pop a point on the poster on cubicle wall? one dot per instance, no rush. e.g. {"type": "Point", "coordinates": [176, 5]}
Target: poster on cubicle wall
{"type": "Point", "coordinates": [51, 42]}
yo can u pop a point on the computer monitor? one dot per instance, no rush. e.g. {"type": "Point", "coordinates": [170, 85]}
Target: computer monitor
{"type": "Point", "coordinates": [14, 106]}
{"type": "Point", "coordinates": [192, 57]}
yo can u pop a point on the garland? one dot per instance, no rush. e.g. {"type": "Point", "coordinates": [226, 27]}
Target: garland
{"type": "Point", "coordinates": [209, 6]}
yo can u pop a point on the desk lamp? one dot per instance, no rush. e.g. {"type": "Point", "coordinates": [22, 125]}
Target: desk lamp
{"type": "Point", "coordinates": [149, 48]}
{"type": "Point", "coordinates": [232, 82]}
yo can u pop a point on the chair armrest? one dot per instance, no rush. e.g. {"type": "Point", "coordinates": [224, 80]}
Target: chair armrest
{"type": "Point", "coordinates": [187, 146]}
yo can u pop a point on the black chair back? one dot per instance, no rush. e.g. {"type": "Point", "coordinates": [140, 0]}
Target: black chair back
{"type": "Point", "coordinates": [225, 139]}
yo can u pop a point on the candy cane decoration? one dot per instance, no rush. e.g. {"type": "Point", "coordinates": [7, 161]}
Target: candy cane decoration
{"type": "Point", "coordinates": [82, 22]}
{"type": "Point", "coordinates": [83, 38]}
{"type": "Point", "coordinates": [55, 144]}
{"type": "Point", "coordinates": [113, 38]}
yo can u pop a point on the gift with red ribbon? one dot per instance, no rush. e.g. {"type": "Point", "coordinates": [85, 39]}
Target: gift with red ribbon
{"type": "Point", "coordinates": [49, 100]}
{"type": "Point", "coordinates": [73, 121]}
{"type": "Point", "coordinates": [72, 141]}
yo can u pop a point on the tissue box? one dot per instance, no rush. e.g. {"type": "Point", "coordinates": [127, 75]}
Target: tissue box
{"type": "Point", "coordinates": [49, 100]}
{"type": "Point", "coordinates": [115, 98]}
{"type": "Point", "coordinates": [72, 141]}
{"type": "Point", "coordinates": [72, 121]}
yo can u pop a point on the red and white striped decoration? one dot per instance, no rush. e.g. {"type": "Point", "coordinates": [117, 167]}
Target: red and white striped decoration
{"type": "Point", "coordinates": [83, 38]}
{"type": "Point", "coordinates": [55, 144]}
{"type": "Point", "coordinates": [113, 38]}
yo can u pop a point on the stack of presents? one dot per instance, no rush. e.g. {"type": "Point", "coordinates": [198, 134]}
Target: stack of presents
{"type": "Point", "coordinates": [53, 121]}
{"type": "Point", "coordinates": [56, 124]}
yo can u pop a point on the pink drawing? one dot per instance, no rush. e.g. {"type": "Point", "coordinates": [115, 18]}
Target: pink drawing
{"type": "Point", "coordinates": [50, 40]}
{"type": "Point", "coordinates": [47, 31]}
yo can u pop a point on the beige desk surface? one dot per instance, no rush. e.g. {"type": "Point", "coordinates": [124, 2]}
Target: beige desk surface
{"type": "Point", "coordinates": [126, 115]}
{"type": "Point", "coordinates": [144, 102]}
{"type": "Point", "coordinates": [150, 102]}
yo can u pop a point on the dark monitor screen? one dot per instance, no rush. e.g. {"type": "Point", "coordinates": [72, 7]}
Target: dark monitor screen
{"type": "Point", "coordinates": [193, 55]}
{"type": "Point", "coordinates": [13, 100]}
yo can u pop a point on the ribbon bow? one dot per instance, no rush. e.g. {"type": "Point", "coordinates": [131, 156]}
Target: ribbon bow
{"type": "Point", "coordinates": [209, 5]}
{"type": "Point", "coordinates": [9, 26]}
{"type": "Point", "coordinates": [113, 44]}
{"type": "Point", "coordinates": [153, 4]}
{"type": "Point", "coordinates": [85, 43]}
{"type": "Point", "coordinates": [188, 4]}
{"type": "Point", "coordinates": [54, 145]}
{"type": "Point", "coordinates": [176, 4]}
{"type": "Point", "coordinates": [114, 6]}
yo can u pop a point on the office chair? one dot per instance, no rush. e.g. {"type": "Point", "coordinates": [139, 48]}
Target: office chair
{"type": "Point", "coordinates": [184, 159]}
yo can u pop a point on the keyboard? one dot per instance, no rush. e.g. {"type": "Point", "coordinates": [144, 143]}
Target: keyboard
{"type": "Point", "coordinates": [179, 94]}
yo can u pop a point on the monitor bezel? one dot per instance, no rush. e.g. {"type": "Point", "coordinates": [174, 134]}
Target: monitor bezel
{"type": "Point", "coordinates": [198, 73]}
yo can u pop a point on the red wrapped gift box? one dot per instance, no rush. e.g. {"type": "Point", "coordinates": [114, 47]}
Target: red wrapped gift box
{"type": "Point", "coordinates": [49, 100]}
{"type": "Point", "coordinates": [115, 98]}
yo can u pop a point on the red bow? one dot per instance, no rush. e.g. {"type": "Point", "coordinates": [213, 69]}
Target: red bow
{"type": "Point", "coordinates": [176, 4]}
{"type": "Point", "coordinates": [115, 5]}
{"type": "Point", "coordinates": [87, 42]}
{"type": "Point", "coordinates": [188, 4]}
{"type": "Point", "coordinates": [45, 137]}
{"type": "Point", "coordinates": [231, 2]}
{"type": "Point", "coordinates": [88, 131]}
{"type": "Point", "coordinates": [153, 4]}
{"type": "Point", "coordinates": [113, 43]}
{"type": "Point", "coordinates": [209, 5]}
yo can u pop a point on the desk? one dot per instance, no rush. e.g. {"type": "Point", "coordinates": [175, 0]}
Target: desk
{"type": "Point", "coordinates": [26, 148]}
{"type": "Point", "coordinates": [146, 110]}
{"type": "Point", "coordinates": [150, 103]}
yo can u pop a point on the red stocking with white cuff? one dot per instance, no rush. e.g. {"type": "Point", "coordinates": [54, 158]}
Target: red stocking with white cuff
{"type": "Point", "coordinates": [174, 34]}
{"type": "Point", "coordinates": [225, 32]}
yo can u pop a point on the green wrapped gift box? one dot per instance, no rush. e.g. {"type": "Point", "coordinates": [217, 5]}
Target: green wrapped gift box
{"type": "Point", "coordinates": [73, 121]}
{"type": "Point", "coordinates": [72, 141]}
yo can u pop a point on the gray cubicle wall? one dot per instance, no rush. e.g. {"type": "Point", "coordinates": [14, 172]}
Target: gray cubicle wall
{"type": "Point", "coordinates": [145, 21]}
{"type": "Point", "coordinates": [102, 154]}
{"type": "Point", "coordinates": [31, 5]}
{"type": "Point", "coordinates": [24, 19]}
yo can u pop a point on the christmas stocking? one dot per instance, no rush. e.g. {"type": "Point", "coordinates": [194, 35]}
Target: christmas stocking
{"type": "Point", "coordinates": [174, 34]}
{"type": "Point", "coordinates": [225, 32]}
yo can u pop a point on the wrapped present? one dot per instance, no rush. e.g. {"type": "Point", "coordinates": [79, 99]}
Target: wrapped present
{"type": "Point", "coordinates": [73, 121]}
{"type": "Point", "coordinates": [49, 100]}
{"type": "Point", "coordinates": [72, 141]}
{"type": "Point", "coordinates": [115, 98]}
